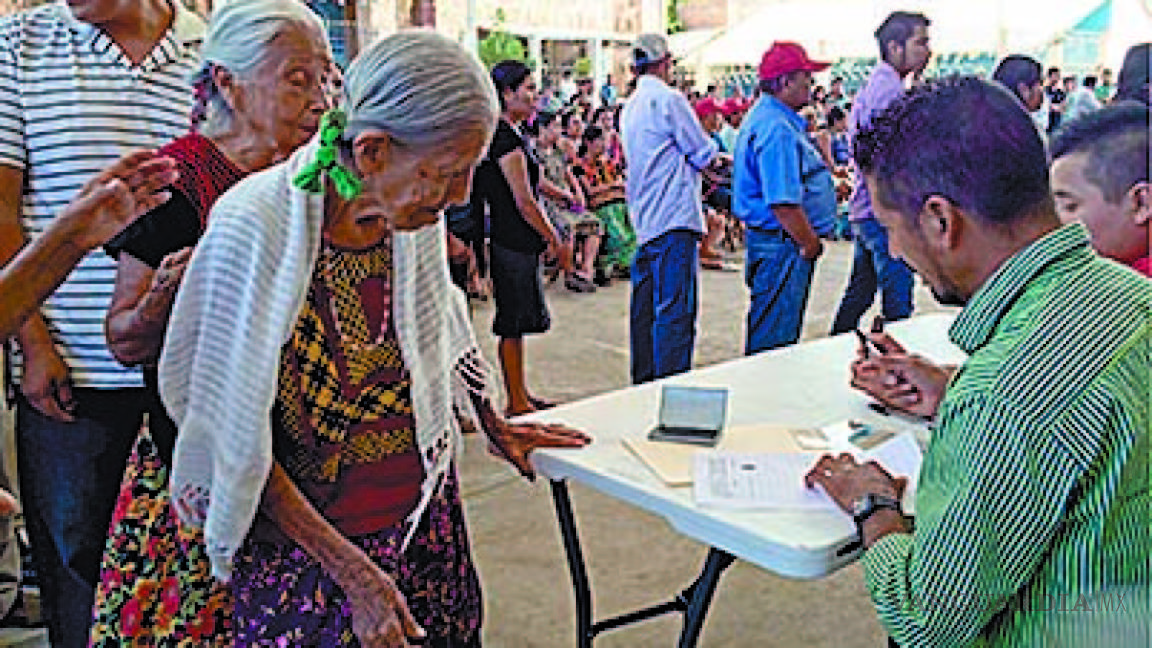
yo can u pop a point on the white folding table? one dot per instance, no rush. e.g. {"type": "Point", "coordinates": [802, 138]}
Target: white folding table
{"type": "Point", "coordinates": [804, 385]}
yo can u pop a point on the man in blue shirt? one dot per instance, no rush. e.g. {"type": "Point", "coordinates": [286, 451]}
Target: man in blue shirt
{"type": "Point", "coordinates": [781, 185]}
{"type": "Point", "coordinates": [666, 149]}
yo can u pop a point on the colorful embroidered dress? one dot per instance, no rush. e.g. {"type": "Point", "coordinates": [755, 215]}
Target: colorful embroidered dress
{"type": "Point", "coordinates": [619, 245]}
{"type": "Point", "coordinates": [343, 431]}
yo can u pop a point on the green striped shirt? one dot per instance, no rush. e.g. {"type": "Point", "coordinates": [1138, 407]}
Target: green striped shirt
{"type": "Point", "coordinates": [1032, 524]}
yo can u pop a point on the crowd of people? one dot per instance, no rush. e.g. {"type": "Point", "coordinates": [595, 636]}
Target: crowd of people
{"type": "Point", "coordinates": [292, 246]}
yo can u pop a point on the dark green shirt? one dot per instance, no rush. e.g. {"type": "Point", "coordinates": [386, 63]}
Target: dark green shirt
{"type": "Point", "coordinates": [1033, 504]}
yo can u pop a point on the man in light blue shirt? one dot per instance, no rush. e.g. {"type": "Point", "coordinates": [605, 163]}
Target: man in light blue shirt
{"type": "Point", "coordinates": [665, 149]}
{"type": "Point", "coordinates": [780, 187]}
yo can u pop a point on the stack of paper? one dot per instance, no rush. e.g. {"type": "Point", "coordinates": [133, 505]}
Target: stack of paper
{"type": "Point", "coordinates": [775, 480]}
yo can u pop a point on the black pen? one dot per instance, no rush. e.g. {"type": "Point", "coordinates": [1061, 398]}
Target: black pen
{"type": "Point", "coordinates": [867, 345]}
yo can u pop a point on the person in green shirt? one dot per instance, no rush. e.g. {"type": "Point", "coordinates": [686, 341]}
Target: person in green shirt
{"type": "Point", "coordinates": [1032, 511]}
{"type": "Point", "coordinates": [1105, 88]}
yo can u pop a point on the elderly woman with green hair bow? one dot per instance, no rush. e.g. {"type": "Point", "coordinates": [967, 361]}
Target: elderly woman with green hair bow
{"type": "Point", "coordinates": [318, 314]}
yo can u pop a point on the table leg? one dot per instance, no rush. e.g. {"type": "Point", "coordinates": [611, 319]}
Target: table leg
{"type": "Point", "coordinates": [576, 568]}
{"type": "Point", "coordinates": [702, 591]}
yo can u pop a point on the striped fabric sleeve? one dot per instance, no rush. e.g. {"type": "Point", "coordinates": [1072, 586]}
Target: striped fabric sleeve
{"type": "Point", "coordinates": [13, 151]}
{"type": "Point", "coordinates": [985, 518]}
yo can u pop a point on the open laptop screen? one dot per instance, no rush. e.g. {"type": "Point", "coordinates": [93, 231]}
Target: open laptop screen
{"type": "Point", "coordinates": [701, 408]}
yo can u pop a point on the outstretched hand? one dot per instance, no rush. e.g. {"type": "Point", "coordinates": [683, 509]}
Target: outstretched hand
{"type": "Point", "coordinates": [516, 441]}
{"type": "Point", "coordinates": [120, 194]}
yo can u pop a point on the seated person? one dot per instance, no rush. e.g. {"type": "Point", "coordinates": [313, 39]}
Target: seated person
{"type": "Point", "coordinates": [1100, 178]}
{"type": "Point", "coordinates": [1034, 487]}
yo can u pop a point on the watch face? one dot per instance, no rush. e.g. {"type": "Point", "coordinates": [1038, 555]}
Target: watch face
{"type": "Point", "coordinates": [862, 505]}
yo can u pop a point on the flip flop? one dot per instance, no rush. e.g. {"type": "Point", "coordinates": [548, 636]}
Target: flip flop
{"type": "Point", "coordinates": [541, 404]}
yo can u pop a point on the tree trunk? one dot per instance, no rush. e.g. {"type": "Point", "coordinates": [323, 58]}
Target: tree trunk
{"type": "Point", "coordinates": [351, 28]}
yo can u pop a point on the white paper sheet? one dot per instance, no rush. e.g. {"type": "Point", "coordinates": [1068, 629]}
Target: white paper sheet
{"type": "Point", "coordinates": [776, 480]}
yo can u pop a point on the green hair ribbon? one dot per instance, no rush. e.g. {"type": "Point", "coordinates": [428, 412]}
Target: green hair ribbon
{"type": "Point", "coordinates": [327, 162]}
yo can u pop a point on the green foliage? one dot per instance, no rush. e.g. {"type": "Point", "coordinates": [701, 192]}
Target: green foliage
{"type": "Point", "coordinates": [499, 45]}
{"type": "Point", "coordinates": [675, 25]}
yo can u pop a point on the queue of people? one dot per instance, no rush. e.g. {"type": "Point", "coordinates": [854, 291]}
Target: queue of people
{"type": "Point", "coordinates": [280, 253]}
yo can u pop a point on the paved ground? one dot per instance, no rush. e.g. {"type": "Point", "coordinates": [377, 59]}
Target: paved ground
{"type": "Point", "coordinates": [634, 558]}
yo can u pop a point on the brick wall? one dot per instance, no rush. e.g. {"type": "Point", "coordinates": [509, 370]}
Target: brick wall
{"type": "Point", "coordinates": [703, 14]}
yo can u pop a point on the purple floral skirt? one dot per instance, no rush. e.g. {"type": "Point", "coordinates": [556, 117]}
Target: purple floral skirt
{"type": "Point", "coordinates": [284, 598]}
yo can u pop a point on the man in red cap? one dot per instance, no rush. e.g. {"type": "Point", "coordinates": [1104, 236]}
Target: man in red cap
{"type": "Point", "coordinates": [783, 191]}
{"type": "Point", "coordinates": [733, 111]}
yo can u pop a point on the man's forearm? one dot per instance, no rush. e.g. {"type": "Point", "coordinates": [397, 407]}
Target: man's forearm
{"type": "Point", "coordinates": [794, 221]}
{"type": "Point", "coordinates": [32, 275]}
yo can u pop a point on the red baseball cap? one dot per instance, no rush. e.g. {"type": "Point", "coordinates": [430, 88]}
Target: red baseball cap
{"type": "Point", "coordinates": [707, 106]}
{"type": "Point", "coordinates": [732, 106]}
{"type": "Point", "coordinates": [784, 57]}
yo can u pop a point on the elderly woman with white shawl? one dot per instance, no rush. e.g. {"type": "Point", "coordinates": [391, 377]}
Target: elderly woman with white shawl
{"type": "Point", "coordinates": [317, 325]}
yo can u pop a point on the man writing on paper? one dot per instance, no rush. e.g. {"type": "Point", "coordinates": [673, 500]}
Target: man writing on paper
{"type": "Point", "coordinates": [1033, 498]}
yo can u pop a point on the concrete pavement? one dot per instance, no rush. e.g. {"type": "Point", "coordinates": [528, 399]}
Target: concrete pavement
{"type": "Point", "coordinates": [634, 558]}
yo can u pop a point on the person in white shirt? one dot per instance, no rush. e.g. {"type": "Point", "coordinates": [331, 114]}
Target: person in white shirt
{"type": "Point", "coordinates": [666, 149]}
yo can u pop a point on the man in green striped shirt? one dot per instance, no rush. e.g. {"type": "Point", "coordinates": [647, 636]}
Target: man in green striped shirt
{"type": "Point", "coordinates": [1032, 514]}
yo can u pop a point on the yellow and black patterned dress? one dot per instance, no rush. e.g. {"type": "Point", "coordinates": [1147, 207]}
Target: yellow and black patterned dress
{"type": "Point", "coordinates": [344, 432]}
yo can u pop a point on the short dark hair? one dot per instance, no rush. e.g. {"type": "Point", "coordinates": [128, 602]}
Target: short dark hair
{"type": "Point", "coordinates": [1090, 81]}
{"type": "Point", "coordinates": [509, 75]}
{"type": "Point", "coordinates": [962, 138]}
{"type": "Point", "coordinates": [835, 114]}
{"type": "Point", "coordinates": [1116, 140]}
{"type": "Point", "coordinates": [1053, 70]}
{"type": "Point", "coordinates": [591, 134]}
{"type": "Point", "coordinates": [1015, 70]}
{"type": "Point", "coordinates": [566, 118]}
{"type": "Point", "coordinates": [898, 28]}
{"type": "Point", "coordinates": [1132, 83]}
{"type": "Point", "coordinates": [774, 85]}
{"type": "Point", "coordinates": [543, 120]}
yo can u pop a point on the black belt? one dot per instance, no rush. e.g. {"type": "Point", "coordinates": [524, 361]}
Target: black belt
{"type": "Point", "coordinates": [774, 231]}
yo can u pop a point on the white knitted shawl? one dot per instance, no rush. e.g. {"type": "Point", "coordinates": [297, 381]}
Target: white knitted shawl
{"type": "Point", "coordinates": [238, 305]}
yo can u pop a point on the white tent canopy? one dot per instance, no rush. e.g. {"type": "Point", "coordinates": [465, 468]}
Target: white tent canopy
{"type": "Point", "coordinates": [830, 29]}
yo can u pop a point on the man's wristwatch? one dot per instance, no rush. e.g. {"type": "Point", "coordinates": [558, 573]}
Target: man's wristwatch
{"type": "Point", "coordinates": [863, 508]}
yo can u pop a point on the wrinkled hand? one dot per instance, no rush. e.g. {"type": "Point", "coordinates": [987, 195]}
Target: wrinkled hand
{"type": "Point", "coordinates": [119, 195]}
{"type": "Point", "coordinates": [170, 273]}
{"type": "Point", "coordinates": [515, 441]}
{"type": "Point", "coordinates": [46, 383]}
{"type": "Point", "coordinates": [846, 481]}
{"type": "Point", "coordinates": [380, 615]}
{"type": "Point", "coordinates": [907, 382]}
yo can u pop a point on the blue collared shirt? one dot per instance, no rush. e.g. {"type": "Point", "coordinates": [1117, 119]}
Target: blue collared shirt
{"type": "Point", "coordinates": [665, 148]}
{"type": "Point", "coordinates": [776, 164]}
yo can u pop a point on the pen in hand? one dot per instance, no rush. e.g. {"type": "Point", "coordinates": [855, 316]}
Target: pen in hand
{"type": "Point", "coordinates": [867, 346]}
